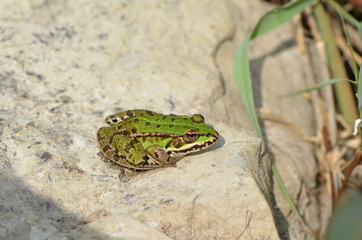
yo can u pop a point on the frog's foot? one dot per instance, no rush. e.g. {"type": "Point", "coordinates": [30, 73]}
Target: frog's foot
{"type": "Point", "coordinates": [157, 156]}
{"type": "Point", "coordinates": [126, 174]}
{"type": "Point", "coordinates": [151, 161]}
{"type": "Point", "coordinates": [152, 164]}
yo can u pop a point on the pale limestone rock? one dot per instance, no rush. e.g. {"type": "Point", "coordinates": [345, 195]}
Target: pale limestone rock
{"type": "Point", "coordinates": [65, 65]}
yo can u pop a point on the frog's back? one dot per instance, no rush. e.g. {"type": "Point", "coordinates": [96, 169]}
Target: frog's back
{"type": "Point", "coordinates": [167, 124]}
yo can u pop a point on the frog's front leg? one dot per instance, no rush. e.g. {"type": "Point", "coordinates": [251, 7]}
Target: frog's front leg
{"type": "Point", "coordinates": [158, 155]}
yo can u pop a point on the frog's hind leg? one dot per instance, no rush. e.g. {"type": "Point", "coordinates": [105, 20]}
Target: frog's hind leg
{"type": "Point", "coordinates": [128, 172]}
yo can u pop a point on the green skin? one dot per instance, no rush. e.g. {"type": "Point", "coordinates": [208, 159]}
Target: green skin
{"type": "Point", "coordinates": [144, 140]}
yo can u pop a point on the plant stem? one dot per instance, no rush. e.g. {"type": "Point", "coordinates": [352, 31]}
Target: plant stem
{"type": "Point", "coordinates": [343, 90]}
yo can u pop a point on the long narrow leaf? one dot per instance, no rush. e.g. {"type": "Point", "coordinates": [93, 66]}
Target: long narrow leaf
{"type": "Point", "coordinates": [243, 81]}
{"type": "Point", "coordinates": [359, 91]}
{"type": "Point", "coordinates": [306, 90]}
{"type": "Point", "coordinates": [241, 62]}
{"type": "Point", "coordinates": [280, 15]}
{"type": "Point", "coordinates": [287, 196]}
{"type": "Point", "coordinates": [241, 67]}
{"type": "Point", "coordinates": [345, 98]}
{"type": "Point", "coordinates": [354, 64]}
{"type": "Point", "coordinates": [344, 13]}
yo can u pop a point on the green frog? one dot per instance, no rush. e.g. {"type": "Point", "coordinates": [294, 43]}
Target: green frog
{"type": "Point", "coordinates": [144, 140]}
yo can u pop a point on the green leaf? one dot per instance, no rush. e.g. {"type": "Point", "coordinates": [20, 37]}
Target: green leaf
{"type": "Point", "coordinates": [348, 17]}
{"type": "Point", "coordinates": [243, 81]}
{"type": "Point", "coordinates": [359, 91]}
{"type": "Point", "coordinates": [354, 64]}
{"type": "Point", "coordinates": [346, 221]}
{"type": "Point", "coordinates": [306, 90]}
{"type": "Point", "coordinates": [280, 15]}
{"type": "Point", "coordinates": [241, 68]}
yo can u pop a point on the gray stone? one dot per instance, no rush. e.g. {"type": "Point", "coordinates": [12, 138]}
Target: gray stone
{"type": "Point", "coordinates": [66, 65]}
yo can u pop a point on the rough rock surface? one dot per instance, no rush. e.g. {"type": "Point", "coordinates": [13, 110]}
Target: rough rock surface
{"type": "Point", "coordinates": [65, 65]}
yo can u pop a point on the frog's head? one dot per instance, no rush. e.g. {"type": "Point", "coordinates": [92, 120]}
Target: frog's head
{"type": "Point", "coordinates": [196, 137]}
{"type": "Point", "coordinates": [114, 119]}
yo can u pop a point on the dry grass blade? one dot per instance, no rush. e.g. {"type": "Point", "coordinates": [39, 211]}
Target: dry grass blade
{"type": "Point", "coordinates": [355, 162]}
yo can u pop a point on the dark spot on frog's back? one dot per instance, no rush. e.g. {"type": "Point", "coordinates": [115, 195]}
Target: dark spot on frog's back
{"type": "Point", "coordinates": [130, 113]}
{"type": "Point", "coordinates": [173, 119]}
{"type": "Point", "coordinates": [136, 120]}
{"type": "Point", "coordinates": [128, 147]}
{"type": "Point", "coordinates": [158, 126]}
{"type": "Point", "coordinates": [170, 126]}
{"type": "Point", "coordinates": [133, 130]}
{"type": "Point", "coordinates": [147, 124]}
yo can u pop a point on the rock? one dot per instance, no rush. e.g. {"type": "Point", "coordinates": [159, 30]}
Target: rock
{"type": "Point", "coordinates": [66, 66]}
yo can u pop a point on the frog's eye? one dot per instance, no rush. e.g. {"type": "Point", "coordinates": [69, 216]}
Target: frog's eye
{"type": "Point", "coordinates": [190, 136]}
{"type": "Point", "coordinates": [114, 119]}
{"type": "Point", "coordinates": [198, 118]}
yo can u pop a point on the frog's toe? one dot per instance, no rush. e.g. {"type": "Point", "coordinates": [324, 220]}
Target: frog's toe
{"type": "Point", "coordinates": [150, 161]}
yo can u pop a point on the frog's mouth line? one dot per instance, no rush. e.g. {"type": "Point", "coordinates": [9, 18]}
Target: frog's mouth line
{"type": "Point", "coordinates": [194, 148]}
